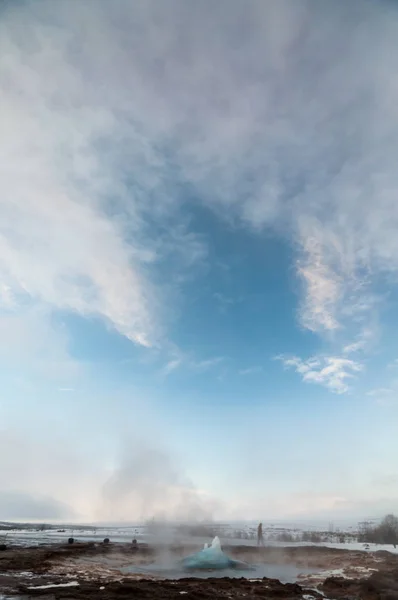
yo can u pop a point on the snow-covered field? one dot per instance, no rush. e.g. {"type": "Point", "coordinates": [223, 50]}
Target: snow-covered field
{"type": "Point", "coordinates": [355, 546]}
{"type": "Point", "coordinates": [32, 537]}
{"type": "Point", "coordinates": [230, 535]}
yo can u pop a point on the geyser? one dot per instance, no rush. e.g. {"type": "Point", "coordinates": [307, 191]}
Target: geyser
{"type": "Point", "coordinates": [211, 558]}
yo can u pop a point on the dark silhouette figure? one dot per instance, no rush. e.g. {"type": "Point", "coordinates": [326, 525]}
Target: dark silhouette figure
{"type": "Point", "coordinates": [260, 538]}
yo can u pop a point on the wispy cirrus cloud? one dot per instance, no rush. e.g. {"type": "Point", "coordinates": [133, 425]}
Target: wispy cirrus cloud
{"type": "Point", "coordinates": [171, 365]}
{"type": "Point", "coordinates": [354, 347]}
{"type": "Point", "coordinates": [363, 341]}
{"type": "Point", "coordinates": [189, 363]}
{"type": "Point", "coordinates": [203, 365]}
{"type": "Point", "coordinates": [225, 302]}
{"type": "Point", "coordinates": [386, 396]}
{"type": "Point", "coordinates": [251, 370]}
{"type": "Point", "coordinates": [323, 289]}
{"type": "Point", "coordinates": [329, 371]}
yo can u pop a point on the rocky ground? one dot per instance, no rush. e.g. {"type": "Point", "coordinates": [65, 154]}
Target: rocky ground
{"type": "Point", "coordinates": [91, 571]}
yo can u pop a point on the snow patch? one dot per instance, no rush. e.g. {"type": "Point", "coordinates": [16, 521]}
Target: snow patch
{"type": "Point", "coordinates": [53, 585]}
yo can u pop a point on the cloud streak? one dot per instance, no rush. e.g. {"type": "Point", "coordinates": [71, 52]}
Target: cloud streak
{"type": "Point", "coordinates": [329, 371]}
{"type": "Point", "coordinates": [385, 396]}
{"type": "Point", "coordinates": [251, 370]}
{"type": "Point", "coordinates": [181, 361]}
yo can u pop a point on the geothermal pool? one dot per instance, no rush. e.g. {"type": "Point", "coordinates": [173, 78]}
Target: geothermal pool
{"type": "Point", "coordinates": [211, 561]}
{"type": "Point", "coordinates": [166, 564]}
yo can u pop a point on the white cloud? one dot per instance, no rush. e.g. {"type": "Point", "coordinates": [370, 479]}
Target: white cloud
{"type": "Point", "coordinates": [329, 371]}
{"type": "Point", "coordinates": [103, 106]}
{"type": "Point", "coordinates": [57, 246]}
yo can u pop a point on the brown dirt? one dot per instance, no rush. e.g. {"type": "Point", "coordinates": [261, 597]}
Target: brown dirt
{"type": "Point", "coordinates": [339, 574]}
{"type": "Point", "coordinates": [379, 586]}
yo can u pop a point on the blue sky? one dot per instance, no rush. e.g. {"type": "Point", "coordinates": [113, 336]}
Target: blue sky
{"type": "Point", "coordinates": [198, 260]}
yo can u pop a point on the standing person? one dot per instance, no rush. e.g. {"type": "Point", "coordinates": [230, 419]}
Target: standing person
{"type": "Point", "coordinates": [260, 539]}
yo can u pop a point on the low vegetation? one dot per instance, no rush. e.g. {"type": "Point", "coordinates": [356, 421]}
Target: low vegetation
{"type": "Point", "coordinates": [384, 533]}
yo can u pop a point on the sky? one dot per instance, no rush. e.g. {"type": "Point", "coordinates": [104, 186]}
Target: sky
{"type": "Point", "coordinates": [198, 259]}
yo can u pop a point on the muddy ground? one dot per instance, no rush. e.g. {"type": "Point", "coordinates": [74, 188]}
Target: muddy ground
{"type": "Point", "coordinates": [92, 571]}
